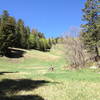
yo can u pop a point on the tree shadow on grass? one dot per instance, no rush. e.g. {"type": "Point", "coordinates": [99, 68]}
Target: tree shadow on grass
{"type": "Point", "coordinates": [5, 72]}
{"type": "Point", "coordinates": [23, 97]}
{"type": "Point", "coordinates": [11, 87]}
{"type": "Point", "coordinates": [15, 53]}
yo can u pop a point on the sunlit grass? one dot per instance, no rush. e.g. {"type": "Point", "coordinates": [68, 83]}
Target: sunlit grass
{"type": "Point", "coordinates": [83, 84]}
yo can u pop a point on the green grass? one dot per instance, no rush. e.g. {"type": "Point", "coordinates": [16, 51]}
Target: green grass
{"type": "Point", "coordinates": [83, 84]}
{"type": "Point", "coordinates": [79, 75]}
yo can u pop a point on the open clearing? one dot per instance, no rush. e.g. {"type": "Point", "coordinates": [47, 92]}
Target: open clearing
{"type": "Point", "coordinates": [28, 78]}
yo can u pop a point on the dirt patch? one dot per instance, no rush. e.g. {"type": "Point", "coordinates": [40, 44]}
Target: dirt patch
{"type": "Point", "coordinates": [42, 56]}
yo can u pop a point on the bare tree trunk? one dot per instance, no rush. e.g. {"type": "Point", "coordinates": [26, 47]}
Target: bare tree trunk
{"type": "Point", "coordinates": [97, 57]}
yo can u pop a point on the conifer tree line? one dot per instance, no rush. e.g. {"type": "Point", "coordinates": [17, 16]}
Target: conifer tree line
{"type": "Point", "coordinates": [15, 34]}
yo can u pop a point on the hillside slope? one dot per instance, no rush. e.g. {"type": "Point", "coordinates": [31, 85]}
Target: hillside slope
{"type": "Point", "coordinates": [28, 77]}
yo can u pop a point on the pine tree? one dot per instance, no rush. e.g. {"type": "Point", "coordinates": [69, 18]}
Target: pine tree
{"type": "Point", "coordinates": [27, 37]}
{"type": "Point", "coordinates": [90, 34]}
{"type": "Point", "coordinates": [43, 44]}
{"type": "Point", "coordinates": [21, 33]}
{"type": "Point", "coordinates": [7, 32]}
{"type": "Point", "coordinates": [32, 42]}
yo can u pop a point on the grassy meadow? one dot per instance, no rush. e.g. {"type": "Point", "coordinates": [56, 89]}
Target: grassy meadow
{"type": "Point", "coordinates": [29, 78]}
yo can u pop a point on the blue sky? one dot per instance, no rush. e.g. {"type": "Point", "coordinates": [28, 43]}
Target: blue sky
{"type": "Point", "coordinates": [53, 17]}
